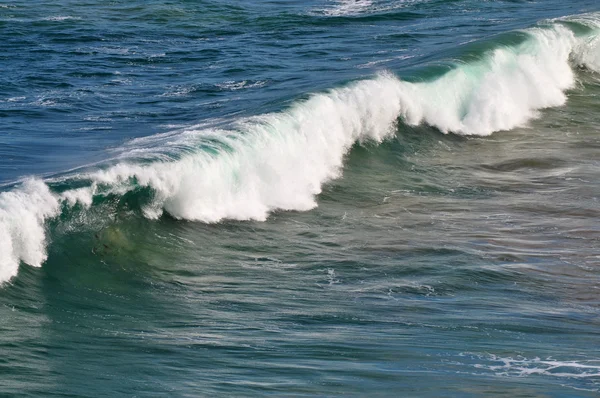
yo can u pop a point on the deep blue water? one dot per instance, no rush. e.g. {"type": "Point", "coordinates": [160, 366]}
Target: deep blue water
{"type": "Point", "coordinates": [316, 198]}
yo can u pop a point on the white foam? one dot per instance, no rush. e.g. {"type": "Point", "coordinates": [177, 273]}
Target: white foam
{"type": "Point", "coordinates": [23, 213]}
{"type": "Point", "coordinates": [59, 18]}
{"type": "Point", "coordinates": [352, 8]}
{"type": "Point", "coordinates": [348, 7]}
{"type": "Point", "coordinates": [81, 196]}
{"type": "Point", "coordinates": [232, 85]}
{"type": "Point", "coordinates": [588, 54]}
{"type": "Point", "coordinates": [522, 367]}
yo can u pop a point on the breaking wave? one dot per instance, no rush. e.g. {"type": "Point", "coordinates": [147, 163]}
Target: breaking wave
{"type": "Point", "coordinates": [280, 161]}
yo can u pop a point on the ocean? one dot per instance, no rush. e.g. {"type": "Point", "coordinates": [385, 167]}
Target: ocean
{"type": "Point", "coordinates": [370, 198]}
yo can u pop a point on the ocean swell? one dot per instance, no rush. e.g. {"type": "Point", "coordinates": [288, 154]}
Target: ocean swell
{"type": "Point", "coordinates": [280, 161]}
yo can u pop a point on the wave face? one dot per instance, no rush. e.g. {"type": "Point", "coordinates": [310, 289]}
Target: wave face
{"type": "Point", "coordinates": [281, 160]}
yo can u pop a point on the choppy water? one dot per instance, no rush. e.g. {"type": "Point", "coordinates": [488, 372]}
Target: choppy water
{"type": "Point", "coordinates": [331, 198]}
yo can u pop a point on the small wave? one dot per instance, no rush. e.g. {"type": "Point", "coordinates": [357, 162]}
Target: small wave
{"type": "Point", "coordinates": [351, 8]}
{"type": "Point", "coordinates": [60, 18]}
{"type": "Point", "coordinates": [239, 85]}
{"type": "Point", "coordinates": [250, 167]}
{"type": "Point", "coordinates": [15, 99]}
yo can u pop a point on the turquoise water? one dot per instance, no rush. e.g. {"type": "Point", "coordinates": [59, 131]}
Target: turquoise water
{"type": "Point", "coordinates": [323, 198]}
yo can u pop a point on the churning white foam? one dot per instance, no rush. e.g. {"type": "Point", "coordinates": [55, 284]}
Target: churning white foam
{"type": "Point", "coordinates": [281, 160]}
{"type": "Point", "coordinates": [23, 213]}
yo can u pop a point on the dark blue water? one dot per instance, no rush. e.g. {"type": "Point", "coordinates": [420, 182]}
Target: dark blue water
{"type": "Point", "coordinates": [330, 198]}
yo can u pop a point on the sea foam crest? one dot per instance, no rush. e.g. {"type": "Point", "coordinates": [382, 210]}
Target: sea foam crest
{"type": "Point", "coordinates": [273, 161]}
{"type": "Point", "coordinates": [281, 160]}
{"type": "Point", "coordinates": [23, 213]}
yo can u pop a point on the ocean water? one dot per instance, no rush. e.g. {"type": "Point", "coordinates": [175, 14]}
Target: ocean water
{"type": "Point", "coordinates": [300, 198]}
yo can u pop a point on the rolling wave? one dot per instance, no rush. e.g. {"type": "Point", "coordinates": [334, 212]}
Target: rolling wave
{"type": "Point", "coordinates": [280, 161]}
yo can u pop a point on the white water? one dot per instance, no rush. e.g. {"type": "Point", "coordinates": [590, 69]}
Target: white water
{"type": "Point", "coordinates": [22, 216]}
{"type": "Point", "coordinates": [348, 7]}
{"type": "Point", "coordinates": [505, 366]}
{"type": "Point", "coordinates": [281, 160]}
